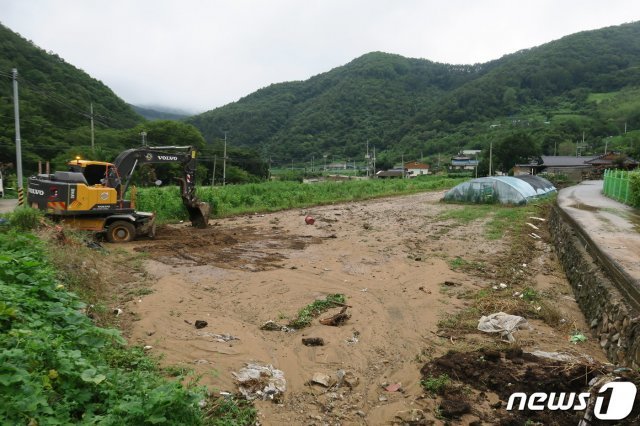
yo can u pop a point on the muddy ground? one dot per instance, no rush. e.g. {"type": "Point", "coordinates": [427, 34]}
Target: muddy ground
{"type": "Point", "coordinates": [396, 260]}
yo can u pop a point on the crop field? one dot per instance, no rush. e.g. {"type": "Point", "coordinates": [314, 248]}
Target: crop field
{"type": "Point", "coordinates": [274, 196]}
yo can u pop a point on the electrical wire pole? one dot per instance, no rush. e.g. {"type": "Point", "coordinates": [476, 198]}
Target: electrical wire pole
{"type": "Point", "coordinates": [213, 176]}
{"type": "Point", "coordinates": [224, 161]}
{"type": "Point", "coordinates": [92, 134]}
{"type": "Point", "coordinates": [16, 110]}
{"type": "Point", "coordinates": [490, 157]}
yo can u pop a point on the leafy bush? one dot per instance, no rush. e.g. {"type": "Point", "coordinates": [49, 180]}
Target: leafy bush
{"type": "Point", "coordinates": [26, 218]}
{"type": "Point", "coordinates": [57, 367]}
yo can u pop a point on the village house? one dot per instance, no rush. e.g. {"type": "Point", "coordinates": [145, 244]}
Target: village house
{"type": "Point", "coordinates": [415, 168]}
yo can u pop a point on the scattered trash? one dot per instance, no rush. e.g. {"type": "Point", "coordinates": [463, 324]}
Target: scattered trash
{"type": "Point", "coordinates": [274, 326]}
{"type": "Point", "coordinates": [94, 245]}
{"type": "Point", "coordinates": [322, 379]}
{"type": "Point", "coordinates": [117, 311]}
{"type": "Point", "coordinates": [502, 323]}
{"type": "Point", "coordinates": [535, 236]}
{"type": "Point", "coordinates": [414, 416]}
{"type": "Point", "coordinates": [353, 339]}
{"type": "Point", "coordinates": [222, 338]}
{"type": "Point", "coordinates": [364, 290]}
{"type": "Point", "coordinates": [309, 220]}
{"type": "Point", "coordinates": [313, 341]}
{"type": "Point", "coordinates": [188, 322]}
{"type": "Point", "coordinates": [201, 324]}
{"type": "Point", "coordinates": [537, 218]}
{"type": "Point", "coordinates": [337, 319]}
{"type": "Point", "coordinates": [257, 381]}
{"type": "Point", "coordinates": [558, 356]}
{"type": "Point", "coordinates": [577, 337]}
{"type": "Point", "coordinates": [532, 225]}
{"type": "Point", "coordinates": [347, 377]}
{"type": "Point", "coordinates": [502, 285]}
{"type": "Point", "coordinates": [147, 347]}
{"type": "Point", "coordinates": [394, 387]}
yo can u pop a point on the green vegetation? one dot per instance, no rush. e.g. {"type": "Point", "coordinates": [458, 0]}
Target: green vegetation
{"type": "Point", "coordinates": [436, 385]}
{"type": "Point", "coordinates": [25, 218]}
{"type": "Point", "coordinates": [57, 367]}
{"type": "Point", "coordinates": [547, 96]}
{"type": "Point", "coordinates": [499, 219]}
{"type": "Point", "coordinates": [535, 101]}
{"type": "Point", "coordinates": [309, 312]}
{"type": "Point", "coordinates": [274, 196]}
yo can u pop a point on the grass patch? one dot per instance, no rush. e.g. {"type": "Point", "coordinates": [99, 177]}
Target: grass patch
{"type": "Point", "coordinates": [436, 385]}
{"type": "Point", "coordinates": [309, 312]}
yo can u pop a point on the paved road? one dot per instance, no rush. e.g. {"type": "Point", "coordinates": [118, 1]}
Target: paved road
{"type": "Point", "coordinates": [613, 226]}
{"type": "Point", "coordinates": [7, 204]}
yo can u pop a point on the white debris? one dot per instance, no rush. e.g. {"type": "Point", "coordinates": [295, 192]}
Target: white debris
{"type": "Point", "coordinates": [257, 381]}
{"type": "Point", "coordinates": [537, 218]}
{"type": "Point", "coordinates": [502, 323]}
{"type": "Point", "coordinates": [532, 225]}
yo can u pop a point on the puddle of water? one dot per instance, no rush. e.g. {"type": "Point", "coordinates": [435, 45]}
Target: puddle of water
{"type": "Point", "coordinates": [584, 207]}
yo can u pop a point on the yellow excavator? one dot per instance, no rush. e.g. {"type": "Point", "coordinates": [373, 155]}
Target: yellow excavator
{"type": "Point", "coordinates": [91, 194]}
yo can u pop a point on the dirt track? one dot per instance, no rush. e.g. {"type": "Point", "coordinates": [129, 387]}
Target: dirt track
{"type": "Point", "coordinates": [389, 257]}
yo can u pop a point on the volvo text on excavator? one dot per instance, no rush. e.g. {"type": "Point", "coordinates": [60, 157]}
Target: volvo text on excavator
{"type": "Point", "coordinates": [91, 195]}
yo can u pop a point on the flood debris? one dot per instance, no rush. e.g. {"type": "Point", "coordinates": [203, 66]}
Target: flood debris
{"type": "Point", "coordinates": [502, 323]}
{"type": "Point", "coordinates": [393, 387]}
{"type": "Point", "coordinates": [309, 220]}
{"type": "Point", "coordinates": [200, 324]}
{"type": "Point", "coordinates": [222, 338]}
{"type": "Point", "coordinates": [347, 377]}
{"type": "Point", "coordinates": [274, 326]}
{"type": "Point", "coordinates": [322, 379]}
{"type": "Point", "coordinates": [313, 341]}
{"type": "Point", "coordinates": [263, 382]}
{"type": "Point", "coordinates": [337, 319]}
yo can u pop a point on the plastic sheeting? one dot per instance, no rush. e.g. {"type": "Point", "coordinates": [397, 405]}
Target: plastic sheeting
{"type": "Point", "coordinates": [501, 189]}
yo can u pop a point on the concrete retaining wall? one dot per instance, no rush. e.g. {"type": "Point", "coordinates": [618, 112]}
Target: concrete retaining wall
{"type": "Point", "coordinates": [614, 321]}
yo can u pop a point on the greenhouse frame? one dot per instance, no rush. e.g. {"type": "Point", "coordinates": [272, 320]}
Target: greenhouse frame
{"type": "Point", "coordinates": [515, 190]}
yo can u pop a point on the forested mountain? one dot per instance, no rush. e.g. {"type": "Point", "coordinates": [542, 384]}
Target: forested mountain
{"type": "Point", "coordinates": [587, 82]}
{"type": "Point", "coordinates": [582, 87]}
{"type": "Point", "coordinates": [152, 113]}
{"type": "Point", "coordinates": [55, 102]}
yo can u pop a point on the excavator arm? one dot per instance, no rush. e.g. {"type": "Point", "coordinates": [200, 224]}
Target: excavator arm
{"type": "Point", "coordinates": [128, 160]}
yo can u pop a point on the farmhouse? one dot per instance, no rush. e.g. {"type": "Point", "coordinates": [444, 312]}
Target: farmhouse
{"type": "Point", "coordinates": [415, 168]}
{"type": "Point", "coordinates": [575, 167]}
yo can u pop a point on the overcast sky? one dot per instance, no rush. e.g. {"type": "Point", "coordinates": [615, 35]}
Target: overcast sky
{"type": "Point", "coordinates": [196, 55]}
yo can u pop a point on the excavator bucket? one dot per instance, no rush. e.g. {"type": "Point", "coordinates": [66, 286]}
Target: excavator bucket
{"type": "Point", "coordinates": [199, 213]}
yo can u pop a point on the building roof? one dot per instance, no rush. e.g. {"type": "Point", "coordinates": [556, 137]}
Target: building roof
{"type": "Point", "coordinates": [415, 165]}
{"type": "Point", "coordinates": [389, 173]}
{"type": "Point", "coordinates": [565, 160]}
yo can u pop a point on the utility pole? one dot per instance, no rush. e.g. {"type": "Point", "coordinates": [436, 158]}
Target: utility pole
{"type": "Point", "coordinates": [402, 161]}
{"type": "Point", "coordinates": [224, 161]}
{"type": "Point", "coordinates": [491, 158]}
{"type": "Point", "coordinates": [92, 134]}
{"type": "Point", "coordinates": [213, 176]}
{"type": "Point", "coordinates": [367, 158]}
{"type": "Point", "coordinates": [374, 161]}
{"type": "Point", "coordinates": [269, 168]}
{"type": "Point", "coordinates": [144, 138]}
{"type": "Point", "coordinates": [16, 110]}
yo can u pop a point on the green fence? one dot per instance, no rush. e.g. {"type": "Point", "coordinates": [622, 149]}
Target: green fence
{"type": "Point", "coordinates": [616, 185]}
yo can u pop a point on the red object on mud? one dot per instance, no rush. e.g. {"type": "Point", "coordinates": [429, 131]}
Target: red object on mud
{"type": "Point", "coordinates": [309, 220]}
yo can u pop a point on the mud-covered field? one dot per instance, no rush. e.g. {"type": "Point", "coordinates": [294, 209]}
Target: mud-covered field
{"type": "Point", "coordinates": [406, 273]}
